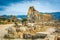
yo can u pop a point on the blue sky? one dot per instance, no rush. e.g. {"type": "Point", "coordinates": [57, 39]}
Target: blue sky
{"type": "Point", "coordinates": [20, 7]}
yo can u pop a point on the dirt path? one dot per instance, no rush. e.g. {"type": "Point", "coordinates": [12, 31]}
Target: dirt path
{"type": "Point", "coordinates": [3, 29]}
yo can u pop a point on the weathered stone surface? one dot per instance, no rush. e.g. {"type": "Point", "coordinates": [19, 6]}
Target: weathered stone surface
{"type": "Point", "coordinates": [27, 36]}
{"type": "Point", "coordinates": [34, 16]}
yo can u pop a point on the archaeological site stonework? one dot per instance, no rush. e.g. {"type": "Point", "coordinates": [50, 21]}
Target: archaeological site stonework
{"type": "Point", "coordinates": [35, 16]}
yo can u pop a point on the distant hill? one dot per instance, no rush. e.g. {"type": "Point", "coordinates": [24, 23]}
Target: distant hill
{"type": "Point", "coordinates": [22, 16]}
{"type": "Point", "coordinates": [55, 14]}
{"type": "Point", "coordinates": [6, 16]}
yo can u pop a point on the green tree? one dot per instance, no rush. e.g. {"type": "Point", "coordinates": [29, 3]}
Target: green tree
{"type": "Point", "coordinates": [24, 21]}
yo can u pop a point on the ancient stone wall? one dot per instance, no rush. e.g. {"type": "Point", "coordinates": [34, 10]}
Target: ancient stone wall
{"type": "Point", "coordinates": [34, 16]}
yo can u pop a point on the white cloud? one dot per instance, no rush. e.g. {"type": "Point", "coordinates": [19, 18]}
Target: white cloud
{"type": "Point", "coordinates": [22, 8]}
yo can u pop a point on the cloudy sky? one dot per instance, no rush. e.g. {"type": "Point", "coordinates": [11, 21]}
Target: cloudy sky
{"type": "Point", "coordinates": [20, 7]}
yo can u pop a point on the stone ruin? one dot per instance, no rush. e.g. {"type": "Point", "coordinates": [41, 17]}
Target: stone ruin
{"type": "Point", "coordinates": [35, 16]}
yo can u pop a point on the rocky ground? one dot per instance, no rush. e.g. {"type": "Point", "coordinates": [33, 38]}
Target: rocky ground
{"type": "Point", "coordinates": [24, 29]}
{"type": "Point", "coordinates": [3, 29]}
